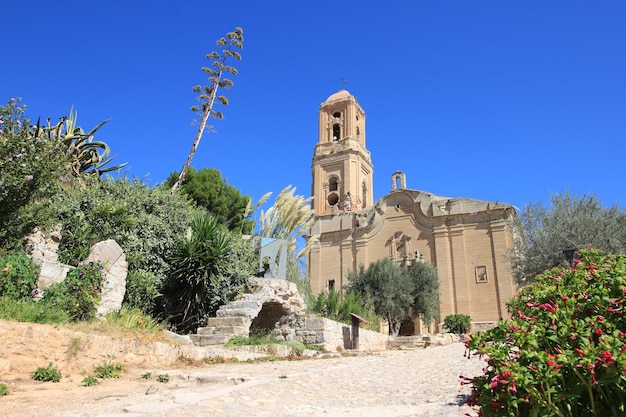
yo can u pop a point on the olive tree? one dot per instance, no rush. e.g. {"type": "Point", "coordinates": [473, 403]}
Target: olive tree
{"type": "Point", "coordinates": [398, 292]}
{"type": "Point", "coordinates": [568, 222]}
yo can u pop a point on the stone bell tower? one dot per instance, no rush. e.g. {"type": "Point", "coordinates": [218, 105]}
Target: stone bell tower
{"type": "Point", "coordinates": [342, 166]}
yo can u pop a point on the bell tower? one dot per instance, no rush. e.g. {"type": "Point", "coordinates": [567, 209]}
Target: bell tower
{"type": "Point", "coordinates": [342, 166]}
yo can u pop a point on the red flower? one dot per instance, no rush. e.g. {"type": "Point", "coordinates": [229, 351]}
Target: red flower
{"type": "Point", "coordinates": [550, 362]}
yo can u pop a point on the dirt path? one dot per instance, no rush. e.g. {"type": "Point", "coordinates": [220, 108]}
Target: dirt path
{"type": "Point", "coordinates": [393, 383]}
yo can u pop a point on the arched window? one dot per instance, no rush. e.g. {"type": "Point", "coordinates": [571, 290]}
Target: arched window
{"type": "Point", "coordinates": [336, 132]}
{"type": "Point", "coordinates": [332, 184]}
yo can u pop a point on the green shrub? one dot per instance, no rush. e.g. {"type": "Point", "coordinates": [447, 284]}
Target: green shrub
{"type": "Point", "coordinates": [4, 390]}
{"type": "Point", "coordinates": [30, 167]}
{"type": "Point", "coordinates": [27, 310]}
{"type": "Point", "coordinates": [142, 291]}
{"type": "Point", "coordinates": [18, 276]}
{"type": "Point", "coordinates": [134, 320]}
{"type": "Point", "coordinates": [47, 374]}
{"type": "Point", "coordinates": [90, 381]}
{"type": "Point", "coordinates": [78, 294]}
{"type": "Point", "coordinates": [296, 346]}
{"type": "Point", "coordinates": [339, 308]}
{"type": "Point", "coordinates": [109, 370]}
{"type": "Point", "coordinates": [113, 209]}
{"type": "Point", "coordinates": [563, 351]}
{"type": "Point", "coordinates": [457, 323]}
{"type": "Point", "coordinates": [163, 378]}
{"type": "Point", "coordinates": [209, 267]}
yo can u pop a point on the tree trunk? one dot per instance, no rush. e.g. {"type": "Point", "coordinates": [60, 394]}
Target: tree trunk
{"type": "Point", "coordinates": [196, 142]}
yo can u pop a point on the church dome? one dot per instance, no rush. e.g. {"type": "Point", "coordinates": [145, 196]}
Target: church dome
{"type": "Point", "coordinates": [339, 95]}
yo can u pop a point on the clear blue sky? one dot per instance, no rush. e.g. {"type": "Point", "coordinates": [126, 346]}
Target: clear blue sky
{"type": "Point", "coordinates": [506, 101]}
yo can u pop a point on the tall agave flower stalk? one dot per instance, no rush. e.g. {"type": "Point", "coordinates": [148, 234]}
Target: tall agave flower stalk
{"type": "Point", "coordinates": [208, 93]}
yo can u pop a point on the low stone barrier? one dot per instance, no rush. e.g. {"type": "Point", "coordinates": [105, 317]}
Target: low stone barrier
{"type": "Point", "coordinates": [335, 336]}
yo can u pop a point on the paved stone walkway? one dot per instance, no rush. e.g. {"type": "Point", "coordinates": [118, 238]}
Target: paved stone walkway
{"type": "Point", "coordinates": [422, 382]}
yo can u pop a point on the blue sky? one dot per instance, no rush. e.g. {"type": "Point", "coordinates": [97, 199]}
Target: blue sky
{"type": "Point", "coordinates": [506, 101]}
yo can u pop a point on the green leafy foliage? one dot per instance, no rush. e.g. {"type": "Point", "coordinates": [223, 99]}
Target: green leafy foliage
{"type": "Point", "coordinates": [90, 381]}
{"type": "Point", "coordinates": [338, 307]}
{"type": "Point", "coordinates": [563, 351]}
{"type": "Point", "coordinates": [142, 291]}
{"type": "Point", "coordinates": [163, 378]}
{"type": "Point", "coordinates": [4, 390]}
{"type": "Point", "coordinates": [209, 190]}
{"type": "Point", "coordinates": [569, 222]}
{"type": "Point", "coordinates": [18, 276]}
{"type": "Point", "coordinates": [109, 370]}
{"type": "Point", "coordinates": [48, 374]}
{"type": "Point", "coordinates": [144, 221]}
{"type": "Point", "coordinates": [425, 291]}
{"type": "Point", "coordinates": [30, 169]}
{"type": "Point", "coordinates": [457, 323]}
{"type": "Point", "coordinates": [398, 292]}
{"type": "Point", "coordinates": [78, 294]}
{"type": "Point", "coordinates": [133, 319]}
{"type": "Point", "coordinates": [27, 310]}
{"type": "Point", "coordinates": [206, 272]}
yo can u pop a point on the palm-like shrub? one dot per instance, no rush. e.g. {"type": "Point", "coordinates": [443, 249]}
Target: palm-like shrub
{"type": "Point", "coordinates": [201, 277]}
{"type": "Point", "coordinates": [563, 352]}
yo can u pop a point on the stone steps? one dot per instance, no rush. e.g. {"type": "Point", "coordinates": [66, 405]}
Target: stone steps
{"type": "Point", "coordinates": [220, 330]}
{"type": "Point", "coordinates": [231, 330]}
{"type": "Point", "coordinates": [208, 340]}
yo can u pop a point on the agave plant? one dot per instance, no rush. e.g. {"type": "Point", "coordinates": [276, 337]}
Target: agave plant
{"type": "Point", "coordinates": [86, 155]}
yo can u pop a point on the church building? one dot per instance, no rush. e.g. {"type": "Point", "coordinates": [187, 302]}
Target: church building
{"type": "Point", "coordinates": [468, 241]}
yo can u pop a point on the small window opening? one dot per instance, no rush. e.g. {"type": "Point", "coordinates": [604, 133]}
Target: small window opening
{"type": "Point", "coordinates": [331, 284]}
{"type": "Point", "coordinates": [481, 275]}
{"type": "Point", "coordinates": [336, 132]}
{"type": "Point", "coordinates": [336, 115]}
{"type": "Point", "coordinates": [398, 183]}
{"type": "Point", "coordinates": [332, 184]}
{"type": "Point", "coordinates": [364, 192]}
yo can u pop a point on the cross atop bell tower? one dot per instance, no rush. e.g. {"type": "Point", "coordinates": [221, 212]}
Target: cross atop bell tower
{"type": "Point", "coordinates": [342, 166]}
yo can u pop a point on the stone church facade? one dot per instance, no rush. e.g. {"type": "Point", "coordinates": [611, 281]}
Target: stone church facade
{"type": "Point", "coordinates": [468, 241]}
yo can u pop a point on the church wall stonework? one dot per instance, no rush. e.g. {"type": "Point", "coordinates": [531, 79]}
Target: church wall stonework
{"type": "Point", "coordinates": [468, 241]}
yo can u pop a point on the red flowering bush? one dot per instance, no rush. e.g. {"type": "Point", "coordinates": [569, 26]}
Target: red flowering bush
{"type": "Point", "coordinates": [563, 352]}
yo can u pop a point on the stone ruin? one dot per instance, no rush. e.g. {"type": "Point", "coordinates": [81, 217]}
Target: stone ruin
{"type": "Point", "coordinates": [42, 249]}
{"type": "Point", "coordinates": [273, 306]}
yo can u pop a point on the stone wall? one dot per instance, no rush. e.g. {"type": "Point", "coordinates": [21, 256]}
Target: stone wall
{"type": "Point", "coordinates": [335, 336]}
{"type": "Point", "coordinates": [26, 346]}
